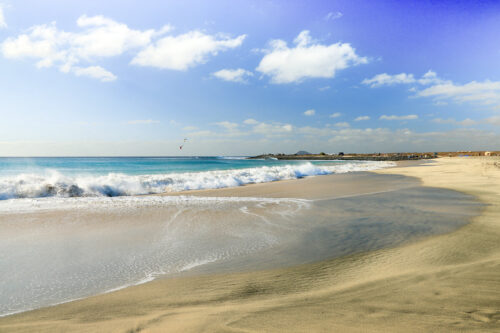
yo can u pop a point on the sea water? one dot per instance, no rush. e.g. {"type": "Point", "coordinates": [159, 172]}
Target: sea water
{"type": "Point", "coordinates": [122, 176]}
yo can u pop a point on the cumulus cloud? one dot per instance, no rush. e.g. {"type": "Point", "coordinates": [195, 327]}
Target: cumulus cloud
{"type": "Point", "coordinates": [311, 139]}
{"type": "Point", "coordinates": [101, 37]}
{"type": "Point", "coordinates": [430, 78]}
{"type": "Point", "coordinates": [233, 75]}
{"type": "Point", "coordinates": [308, 59]}
{"type": "Point", "coordinates": [250, 121]}
{"type": "Point", "coordinates": [279, 137]}
{"type": "Point", "coordinates": [203, 133]}
{"type": "Point", "coordinates": [385, 79]}
{"type": "Point", "coordinates": [310, 112]}
{"type": "Point", "coordinates": [143, 122]}
{"type": "Point", "coordinates": [394, 117]}
{"type": "Point", "coordinates": [3, 24]}
{"type": "Point", "coordinates": [487, 92]}
{"type": "Point", "coordinates": [335, 115]}
{"type": "Point", "coordinates": [452, 121]}
{"type": "Point", "coordinates": [495, 120]}
{"type": "Point", "coordinates": [272, 129]}
{"type": "Point", "coordinates": [184, 51]}
{"type": "Point", "coordinates": [343, 124]}
{"type": "Point", "coordinates": [95, 72]}
{"type": "Point", "coordinates": [442, 91]}
{"type": "Point", "coordinates": [228, 125]}
{"type": "Point", "coordinates": [361, 118]}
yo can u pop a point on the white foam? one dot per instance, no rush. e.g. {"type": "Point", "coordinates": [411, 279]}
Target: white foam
{"type": "Point", "coordinates": [133, 202]}
{"type": "Point", "coordinates": [197, 263]}
{"type": "Point", "coordinates": [55, 184]}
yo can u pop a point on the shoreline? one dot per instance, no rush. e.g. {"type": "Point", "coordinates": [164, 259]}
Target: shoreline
{"type": "Point", "coordinates": [350, 293]}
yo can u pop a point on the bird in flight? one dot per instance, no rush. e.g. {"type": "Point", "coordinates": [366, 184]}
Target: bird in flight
{"type": "Point", "coordinates": [181, 146]}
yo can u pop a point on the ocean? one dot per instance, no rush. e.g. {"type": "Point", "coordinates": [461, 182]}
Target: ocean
{"type": "Point", "coordinates": [122, 176]}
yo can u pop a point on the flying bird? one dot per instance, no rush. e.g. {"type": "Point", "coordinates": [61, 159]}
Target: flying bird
{"type": "Point", "coordinates": [184, 142]}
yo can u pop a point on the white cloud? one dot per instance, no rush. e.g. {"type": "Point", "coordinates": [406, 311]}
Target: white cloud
{"type": "Point", "coordinates": [324, 88]}
{"type": "Point", "coordinates": [3, 24]}
{"type": "Point", "coordinates": [452, 121]}
{"type": "Point", "coordinates": [143, 122]}
{"type": "Point", "coordinates": [203, 133]}
{"type": "Point", "coordinates": [361, 118]}
{"type": "Point", "coordinates": [100, 37]}
{"type": "Point", "coordinates": [96, 72]}
{"type": "Point", "coordinates": [385, 79]}
{"type": "Point", "coordinates": [403, 78]}
{"type": "Point", "coordinates": [429, 78]}
{"type": "Point", "coordinates": [467, 122]}
{"type": "Point", "coordinates": [104, 37]}
{"type": "Point", "coordinates": [333, 16]}
{"type": "Point", "coordinates": [495, 120]}
{"type": "Point", "coordinates": [394, 117]}
{"type": "Point", "coordinates": [228, 125]}
{"type": "Point", "coordinates": [190, 128]}
{"type": "Point", "coordinates": [310, 139]}
{"type": "Point", "coordinates": [233, 75]}
{"type": "Point", "coordinates": [342, 124]}
{"type": "Point", "coordinates": [310, 112]}
{"type": "Point", "coordinates": [487, 92]}
{"type": "Point", "coordinates": [251, 121]}
{"type": "Point", "coordinates": [184, 51]}
{"type": "Point", "coordinates": [308, 59]}
{"type": "Point", "coordinates": [272, 129]}
{"type": "Point", "coordinates": [335, 115]}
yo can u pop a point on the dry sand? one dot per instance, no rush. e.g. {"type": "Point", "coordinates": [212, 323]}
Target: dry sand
{"type": "Point", "coordinates": [449, 282]}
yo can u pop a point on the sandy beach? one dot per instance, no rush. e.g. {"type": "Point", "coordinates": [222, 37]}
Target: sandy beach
{"type": "Point", "coordinates": [448, 282]}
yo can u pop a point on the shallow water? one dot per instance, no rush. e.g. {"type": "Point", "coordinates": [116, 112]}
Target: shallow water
{"type": "Point", "coordinates": [58, 249]}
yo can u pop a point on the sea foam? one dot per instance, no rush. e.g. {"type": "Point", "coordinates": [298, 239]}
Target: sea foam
{"type": "Point", "coordinates": [52, 183]}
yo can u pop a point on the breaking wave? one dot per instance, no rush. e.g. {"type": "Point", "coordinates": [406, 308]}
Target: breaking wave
{"type": "Point", "coordinates": [55, 184]}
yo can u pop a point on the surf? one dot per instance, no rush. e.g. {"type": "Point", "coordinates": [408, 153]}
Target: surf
{"type": "Point", "coordinates": [74, 183]}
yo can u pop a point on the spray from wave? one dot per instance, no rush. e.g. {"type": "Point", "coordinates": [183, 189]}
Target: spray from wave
{"type": "Point", "coordinates": [55, 184]}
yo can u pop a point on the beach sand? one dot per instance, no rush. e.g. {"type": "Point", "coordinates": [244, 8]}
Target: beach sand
{"type": "Point", "coordinates": [449, 282]}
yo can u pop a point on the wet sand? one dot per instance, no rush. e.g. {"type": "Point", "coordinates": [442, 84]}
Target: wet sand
{"type": "Point", "coordinates": [441, 283]}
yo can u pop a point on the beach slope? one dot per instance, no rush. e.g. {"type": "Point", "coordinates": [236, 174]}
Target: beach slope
{"type": "Point", "coordinates": [448, 282]}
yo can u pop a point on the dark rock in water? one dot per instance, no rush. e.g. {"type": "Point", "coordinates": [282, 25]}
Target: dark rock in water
{"type": "Point", "coordinates": [111, 192]}
{"type": "Point", "coordinates": [75, 191]}
{"type": "Point", "coordinates": [50, 190]}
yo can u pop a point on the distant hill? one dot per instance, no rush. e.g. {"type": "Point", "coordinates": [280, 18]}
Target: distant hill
{"type": "Point", "coordinates": [303, 152]}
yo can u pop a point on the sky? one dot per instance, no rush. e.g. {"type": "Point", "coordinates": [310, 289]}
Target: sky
{"type": "Point", "coordinates": [122, 77]}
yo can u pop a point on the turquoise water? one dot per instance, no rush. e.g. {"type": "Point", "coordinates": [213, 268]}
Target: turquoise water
{"type": "Point", "coordinates": [135, 165]}
{"type": "Point", "coordinates": [119, 176]}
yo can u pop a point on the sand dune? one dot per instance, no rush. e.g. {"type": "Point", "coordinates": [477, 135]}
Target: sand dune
{"type": "Point", "coordinates": [449, 282]}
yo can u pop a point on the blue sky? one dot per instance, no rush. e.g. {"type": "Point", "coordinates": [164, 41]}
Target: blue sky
{"type": "Point", "coordinates": [247, 77]}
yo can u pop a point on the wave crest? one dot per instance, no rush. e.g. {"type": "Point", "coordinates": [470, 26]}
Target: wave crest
{"type": "Point", "coordinates": [54, 184]}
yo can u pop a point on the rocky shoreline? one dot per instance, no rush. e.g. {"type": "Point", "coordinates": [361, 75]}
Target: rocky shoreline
{"type": "Point", "coordinates": [303, 155]}
{"type": "Point", "coordinates": [357, 157]}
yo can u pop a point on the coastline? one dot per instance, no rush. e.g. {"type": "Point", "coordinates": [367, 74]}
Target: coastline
{"type": "Point", "coordinates": [424, 285]}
